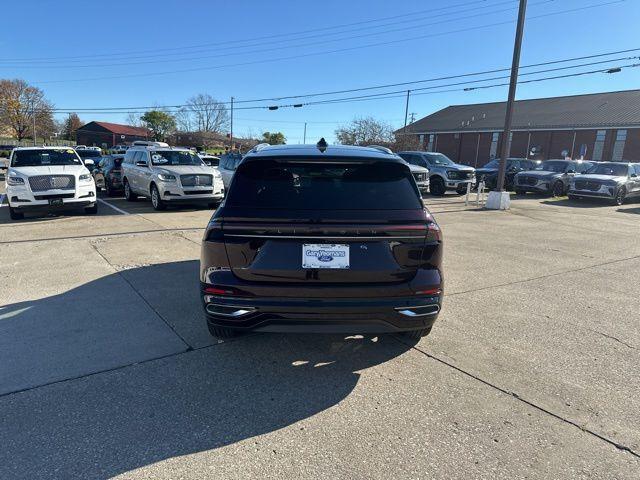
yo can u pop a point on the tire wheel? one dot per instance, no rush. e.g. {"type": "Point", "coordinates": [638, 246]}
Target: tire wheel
{"type": "Point", "coordinates": [91, 210]}
{"type": "Point", "coordinates": [15, 215]}
{"type": "Point", "coordinates": [558, 189]}
{"type": "Point", "coordinates": [107, 189]}
{"type": "Point", "coordinates": [221, 332]}
{"type": "Point", "coordinates": [213, 205]}
{"type": "Point", "coordinates": [620, 196]}
{"type": "Point", "coordinates": [156, 201]}
{"type": "Point", "coordinates": [519, 191]}
{"type": "Point", "coordinates": [418, 334]}
{"type": "Point", "coordinates": [573, 197]}
{"type": "Point", "coordinates": [436, 187]}
{"type": "Point", "coordinates": [128, 193]}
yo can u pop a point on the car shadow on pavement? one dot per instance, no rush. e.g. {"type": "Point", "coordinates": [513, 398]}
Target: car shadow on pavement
{"type": "Point", "coordinates": [104, 424]}
{"type": "Point", "coordinates": [583, 203]}
{"type": "Point", "coordinates": [635, 210]}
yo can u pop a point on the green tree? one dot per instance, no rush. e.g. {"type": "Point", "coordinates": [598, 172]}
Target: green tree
{"type": "Point", "coordinates": [274, 138]}
{"type": "Point", "coordinates": [160, 123]}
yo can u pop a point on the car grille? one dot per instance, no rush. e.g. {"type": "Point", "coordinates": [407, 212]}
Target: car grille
{"type": "Point", "coordinates": [420, 177]}
{"type": "Point", "coordinates": [196, 180]}
{"type": "Point", "coordinates": [40, 183]}
{"type": "Point", "coordinates": [54, 196]}
{"type": "Point", "coordinates": [527, 180]}
{"type": "Point", "coordinates": [198, 192]}
{"type": "Point", "coordinates": [587, 185]}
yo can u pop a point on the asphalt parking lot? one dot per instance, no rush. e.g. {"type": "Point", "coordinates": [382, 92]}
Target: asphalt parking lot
{"type": "Point", "coordinates": [107, 368]}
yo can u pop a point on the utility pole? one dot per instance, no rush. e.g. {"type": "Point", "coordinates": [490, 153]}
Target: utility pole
{"type": "Point", "coordinates": [413, 117]}
{"type": "Point", "coordinates": [231, 135]}
{"type": "Point", "coordinates": [515, 65]}
{"type": "Point", "coordinates": [33, 115]}
{"type": "Point", "coordinates": [304, 137]}
{"type": "Point", "coordinates": [406, 112]}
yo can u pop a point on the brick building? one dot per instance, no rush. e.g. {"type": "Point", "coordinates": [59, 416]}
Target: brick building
{"type": "Point", "coordinates": [600, 126]}
{"type": "Point", "coordinates": [106, 135]}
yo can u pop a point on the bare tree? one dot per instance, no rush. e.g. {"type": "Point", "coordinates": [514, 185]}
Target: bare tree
{"type": "Point", "coordinates": [365, 131]}
{"type": "Point", "coordinates": [19, 103]}
{"type": "Point", "coordinates": [133, 119]}
{"type": "Point", "coordinates": [209, 115]}
{"type": "Point", "coordinates": [184, 120]}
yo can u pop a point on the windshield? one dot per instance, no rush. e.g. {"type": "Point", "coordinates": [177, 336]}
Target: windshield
{"type": "Point", "coordinates": [37, 158]}
{"type": "Point", "coordinates": [213, 161]}
{"type": "Point", "coordinates": [558, 167]}
{"type": "Point", "coordinates": [175, 157]}
{"type": "Point", "coordinates": [314, 186]}
{"type": "Point", "coordinates": [614, 169]}
{"type": "Point", "coordinates": [89, 153]}
{"type": "Point", "coordinates": [492, 164]}
{"type": "Point", "coordinates": [439, 159]}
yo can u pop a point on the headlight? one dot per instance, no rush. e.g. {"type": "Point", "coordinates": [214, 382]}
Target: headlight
{"type": "Point", "coordinates": [15, 181]}
{"type": "Point", "coordinates": [216, 174]}
{"type": "Point", "coordinates": [165, 177]}
{"type": "Point", "coordinates": [452, 174]}
{"type": "Point", "coordinates": [85, 177]}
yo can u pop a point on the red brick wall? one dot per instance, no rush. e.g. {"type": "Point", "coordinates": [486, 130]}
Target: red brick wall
{"type": "Point", "coordinates": [519, 145]}
{"type": "Point", "coordinates": [560, 140]}
{"type": "Point", "coordinates": [587, 137]}
{"type": "Point", "coordinates": [632, 147]}
{"type": "Point", "coordinates": [449, 145]}
{"type": "Point", "coordinates": [468, 147]}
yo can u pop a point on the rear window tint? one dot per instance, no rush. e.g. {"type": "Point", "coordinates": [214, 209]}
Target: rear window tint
{"type": "Point", "coordinates": [324, 186]}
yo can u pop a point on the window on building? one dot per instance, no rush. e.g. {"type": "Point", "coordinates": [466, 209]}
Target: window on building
{"type": "Point", "coordinates": [598, 146]}
{"type": "Point", "coordinates": [430, 144]}
{"type": "Point", "coordinates": [421, 140]}
{"type": "Point", "coordinates": [494, 145]}
{"type": "Point", "coordinates": [618, 146]}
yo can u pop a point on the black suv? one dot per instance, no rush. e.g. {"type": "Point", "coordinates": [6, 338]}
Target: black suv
{"type": "Point", "coordinates": [322, 239]}
{"type": "Point", "coordinates": [108, 174]}
{"type": "Point", "coordinates": [489, 173]}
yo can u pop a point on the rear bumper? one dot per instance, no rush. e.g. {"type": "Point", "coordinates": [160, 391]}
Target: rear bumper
{"type": "Point", "coordinates": [322, 315]}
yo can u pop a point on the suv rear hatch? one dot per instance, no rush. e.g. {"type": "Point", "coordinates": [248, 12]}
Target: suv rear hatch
{"type": "Point", "coordinates": [338, 222]}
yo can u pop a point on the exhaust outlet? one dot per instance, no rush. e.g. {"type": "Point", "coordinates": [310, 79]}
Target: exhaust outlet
{"type": "Point", "coordinates": [420, 311]}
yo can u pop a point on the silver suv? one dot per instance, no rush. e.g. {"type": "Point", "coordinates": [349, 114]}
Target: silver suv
{"type": "Point", "coordinates": [169, 175]}
{"type": "Point", "coordinates": [444, 174]}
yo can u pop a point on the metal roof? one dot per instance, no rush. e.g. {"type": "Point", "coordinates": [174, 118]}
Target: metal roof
{"type": "Point", "coordinates": [596, 110]}
{"type": "Point", "coordinates": [120, 129]}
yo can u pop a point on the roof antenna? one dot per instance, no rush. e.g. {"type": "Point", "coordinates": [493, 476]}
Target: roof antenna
{"type": "Point", "coordinates": [322, 145]}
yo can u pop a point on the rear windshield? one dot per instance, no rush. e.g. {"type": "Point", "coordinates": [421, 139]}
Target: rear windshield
{"type": "Point", "coordinates": [36, 158]}
{"type": "Point", "coordinates": [318, 186]}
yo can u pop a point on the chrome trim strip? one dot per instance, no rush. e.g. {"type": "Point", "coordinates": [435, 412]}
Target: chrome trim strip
{"type": "Point", "coordinates": [323, 237]}
{"type": "Point", "coordinates": [241, 311]}
{"type": "Point", "coordinates": [407, 311]}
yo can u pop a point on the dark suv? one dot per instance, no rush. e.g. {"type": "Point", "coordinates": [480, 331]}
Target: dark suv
{"type": "Point", "coordinates": [322, 239]}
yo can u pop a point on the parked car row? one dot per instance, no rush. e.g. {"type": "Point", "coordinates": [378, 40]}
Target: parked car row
{"type": "Point", "coordinates": [53, 178]}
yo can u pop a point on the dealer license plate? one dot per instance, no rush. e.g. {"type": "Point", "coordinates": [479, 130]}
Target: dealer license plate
{"type": "Point", "coordinates": [325, 256]}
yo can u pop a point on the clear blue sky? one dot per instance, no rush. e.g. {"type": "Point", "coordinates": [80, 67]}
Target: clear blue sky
{"type": "Point", "coordinates": [70, 28]}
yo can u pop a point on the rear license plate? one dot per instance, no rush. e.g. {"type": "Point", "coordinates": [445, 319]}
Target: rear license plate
{"type": "Point", "coordinates": [325, 256]}
{"type": "Point", "coordinates": [55, 202]}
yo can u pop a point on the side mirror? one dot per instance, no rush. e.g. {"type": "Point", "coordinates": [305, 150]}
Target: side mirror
{"type": "Point", "coordinates": [88, 161]}
{"type": "Point", "coordinates": [571, 171]}
{"type": "Point", "coordinates": [141, 163]}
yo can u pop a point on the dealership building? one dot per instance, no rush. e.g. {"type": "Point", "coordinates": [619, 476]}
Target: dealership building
{"type": "Point", "coordinates": [599, 126]}
{"type": "Point", "coordinates": [106, 135]}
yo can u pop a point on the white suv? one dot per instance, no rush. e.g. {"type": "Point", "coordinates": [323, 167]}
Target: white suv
{"type": "Point", "coordinates": [169, 174]}
{"type": "Point", "coordinates": [48, 178]}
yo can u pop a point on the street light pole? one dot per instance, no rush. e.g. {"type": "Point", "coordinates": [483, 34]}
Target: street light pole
{"type": "Point", "coordinates": [231, 135]}
{"type": "Point", "coordinates": [515, 65]}
{"type": "Point", "coordinates": [304, 137]}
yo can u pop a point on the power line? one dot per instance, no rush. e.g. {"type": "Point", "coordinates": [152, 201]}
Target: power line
{"type": "Point", "coordinates": [362, 22]}
{"type": "Point", "coordinates": [327, 52]}
{"type": "Point", "coordinates": [390, 85]}
{"type": "Point", "coordinates": [271, 49]}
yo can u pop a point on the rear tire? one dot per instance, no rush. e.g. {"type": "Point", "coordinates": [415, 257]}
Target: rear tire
{"type": "Point", "coordinates": [437, 187]}
{"type": "Point", "coordinates": [156, 201]}
{"type": "Point", "coordinates": [128, 193]}
{"type": "Point", "coordinates": [221, 332]}
{"type": "Point", "coordinates": [91, 210]}
{"type": "Point", "coordinates": [15, 215]}
{"type": "Point", "coordinates": [418, 334]}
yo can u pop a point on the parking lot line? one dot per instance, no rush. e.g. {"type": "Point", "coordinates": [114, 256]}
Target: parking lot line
{"type": "Point", "coordinates": [119, 210]}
